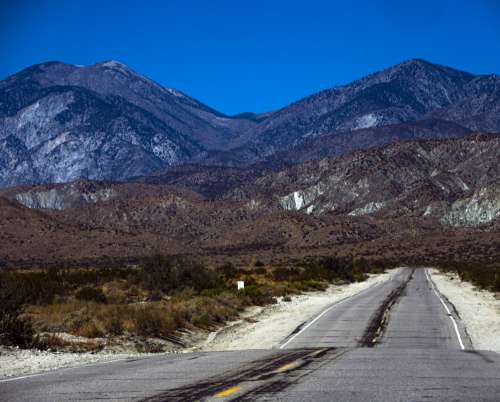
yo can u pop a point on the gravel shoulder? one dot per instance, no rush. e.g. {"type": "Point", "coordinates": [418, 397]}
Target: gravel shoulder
{"type": "Point", "coordinates": [478, 309]}
{"type": "Point", "coordinates": [267, 327]}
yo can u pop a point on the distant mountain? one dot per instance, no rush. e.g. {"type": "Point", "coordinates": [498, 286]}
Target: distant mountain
{"type": "Point", "coordinates": [309, 148]}
{"type": "Point", "coordinates": [202, 124]}
{"type": "Point", "coordinates": [414, 99]}
{"type": "Point", "coordinates": [60, 122]}
{"type": "Point", "coordinates": [328, 145]}
{"type": "Point", "coordinates": [479, 110]}
{"type": "Point", "coordinates": [403, 93]}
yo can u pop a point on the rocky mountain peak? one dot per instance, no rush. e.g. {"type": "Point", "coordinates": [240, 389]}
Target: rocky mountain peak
{"type": "Point", "coordinates": [61, 122]}
{"type": "Point", "coordinates": [113, 64]}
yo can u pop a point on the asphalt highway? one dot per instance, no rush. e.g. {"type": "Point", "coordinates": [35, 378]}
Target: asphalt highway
{"type": "Point", "coordinates": [396, 341]}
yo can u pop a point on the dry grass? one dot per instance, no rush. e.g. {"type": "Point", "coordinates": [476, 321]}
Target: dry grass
{"type": "Point", "coordinates": [144, 303]}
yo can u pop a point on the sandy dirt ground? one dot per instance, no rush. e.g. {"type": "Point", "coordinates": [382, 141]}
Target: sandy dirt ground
{"type": "Point", "coordinates": [478, 309]}
{"type": "Point", "coordinates": [268, 327]}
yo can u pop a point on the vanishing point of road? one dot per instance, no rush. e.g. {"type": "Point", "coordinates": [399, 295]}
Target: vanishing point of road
{"type": "Point", "coordinates": [398, 340]}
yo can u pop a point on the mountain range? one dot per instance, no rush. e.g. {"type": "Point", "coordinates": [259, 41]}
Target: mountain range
{"type": "Point", "coordinates": [60, 122]}
{"type": "Point", "coordinates": [101, 165]}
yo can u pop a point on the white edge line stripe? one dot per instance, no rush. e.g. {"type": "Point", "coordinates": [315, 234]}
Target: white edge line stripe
{"type": "Point", "coordinates": [458, 333]}
{"type": "Point", "coordinates": [316, 319]}
{"type": "Point", "coordinates": [24, 376]}
{"type": "Point", "coordinates": [335, 304]}
{"type": "Point", "coordinates": [428, 276]}
{"type": "Point", "coordinates": [455, 326]}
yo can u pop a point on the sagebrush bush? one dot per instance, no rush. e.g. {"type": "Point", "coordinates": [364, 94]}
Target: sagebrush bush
{"type": "Point", "coordinates": [333, 268]}
{"type": "Point", "coordinates": [482, 275]}
{"type": "Point", "coordinates": [256, 295]}
{"type": "Point", "coordinates": [377, 270]}
{"type": "Point", "coordinates": [359, 276]}
{"type": "Point", "coordinates": [90, 329]}
{"type": "Point", "coordinates": [42, 286]}
{"type": "Point", "coordinates": [15, 331]}
{"type": "Point", "coordinates": [153, 321]}
{"type": "Point", "coordinates": [112, 320]}
{"type": "Point", "coordinates": [228, 270]}
{"type": "Point", "coordinates": [92, 294]}
{"type": "Point", "coordinates": [174, 273]}
{"type": "Point", "coordinates": [286, 274]}
{"type": "Point", "coordinates": [211, 292]}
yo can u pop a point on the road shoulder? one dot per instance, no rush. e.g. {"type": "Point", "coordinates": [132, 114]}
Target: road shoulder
{"type": "Point", "coordinates": [479, 310]}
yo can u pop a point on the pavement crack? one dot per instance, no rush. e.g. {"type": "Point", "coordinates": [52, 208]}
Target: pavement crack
{"type": "Point", "coordinates": [378, 323]}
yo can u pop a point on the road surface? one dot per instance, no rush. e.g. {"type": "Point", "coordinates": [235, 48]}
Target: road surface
{"type": "Point", "coordinates": [396, 341]}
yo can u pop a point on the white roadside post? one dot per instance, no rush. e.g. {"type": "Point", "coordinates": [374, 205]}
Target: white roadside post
{"type": "Point", "coordinates": [240, 285]}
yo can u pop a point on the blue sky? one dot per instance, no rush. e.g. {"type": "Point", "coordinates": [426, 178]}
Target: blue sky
{"type": "Point", "coordinates": [241, 56]}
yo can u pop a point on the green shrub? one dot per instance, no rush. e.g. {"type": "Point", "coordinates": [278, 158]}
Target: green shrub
{"type": "Point", "coordinates": [333, 268]}
{"type": "Point", "coordinates": [249, 280]}
{"type": "Point", "coordinates": [30, 287]}
{"type": "Point", "coordinates": [260, 271]}
{"type": "Point", "coordinates": [359, 276]}
{"type": "Point", "coordinates": [230, 300]}
{"type": "Point", "coordinates": [482, 275]}
{"type": "Point", "coordinates": [15, 331]}
{"type": "Point", "coordinates": [285, 274]}
{"type": "Point", "coordinates": [91, 294]}
{"type": "Point", "coordinates": [377, 270]}
{"type": "Point", "coordinates": [256, 295]}
{"type": "Point", "coordinates": [113, 321]}
{"type": "Point", "coordinates": [308, 285]}
{"type": "Point", "coordinates": [41, 286]}
{"type": "Point", "coordinates": [228, 270]}
{"type": "Point", "coordinates": [175, 273]}
{"type": "Point", "coordinates": [211, 292]}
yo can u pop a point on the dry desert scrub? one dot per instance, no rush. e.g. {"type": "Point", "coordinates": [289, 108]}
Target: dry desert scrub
{"type": "Point", "coordinates": [162, 297]}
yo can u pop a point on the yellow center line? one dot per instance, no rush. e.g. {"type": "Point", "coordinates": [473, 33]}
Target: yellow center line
{"type": "Point", "coordinates": [286, 367]}
{"type": "Point", "coordinates": [318, 352]}
{"type": "Point", "coordinates": [227, 392]}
